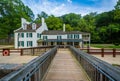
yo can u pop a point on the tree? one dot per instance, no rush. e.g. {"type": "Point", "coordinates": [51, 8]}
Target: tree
{"type": "Point", "coordinates": [117, 11]}
{"type": "Point", "coordinates": [54, 23]}
{"type": "Point", "coordinates": [71, 19]}
{"type": "Point", "coordinates": [104, 19]}
{"type": "Point", "coordinates": [68, 27]}
{"type": "Point", "coordinates": [39, 16]}
{"type": "Point", "coordinates": [43, 14]}
{"type": "Point", "coordinates": [114, 31]}
{"type": "Point", "coordinates": [11, 12]}
{"type": "Point", "coordinates": [82, 25]}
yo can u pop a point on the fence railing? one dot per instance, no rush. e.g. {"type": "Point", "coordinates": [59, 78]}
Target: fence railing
{"type": "Point", "coordinates": [28, 51]}
{"type": "Point", "coordinates": [96, 69]}
{"type": "Point", "coordinates": [34, 70]}
{"type": "Point", "coordinates": [12, 51]}
{"type": "Point", "coordinates": [102, 51]}
{"type": "Point", "coordinates": [35, 50]}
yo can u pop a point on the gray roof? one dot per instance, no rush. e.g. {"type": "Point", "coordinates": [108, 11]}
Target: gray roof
{"type": "Point", "coordinates": [76, 32]}
{"type": "Point", "coordinates": [29, 28]}
{"type": "Point", "coordinates": [53, 32]}
{"type": "Point", "coordinates": [60, 32]}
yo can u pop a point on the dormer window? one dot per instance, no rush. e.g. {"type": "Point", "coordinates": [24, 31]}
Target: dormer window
{"type": "Point", "coordinates": [24, 26]}
{"type": "Point", "coordinates": [33, 26]}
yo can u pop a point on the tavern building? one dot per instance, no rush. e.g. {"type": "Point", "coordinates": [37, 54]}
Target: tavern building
{"type": "Point", "coordinates": [34, 35]}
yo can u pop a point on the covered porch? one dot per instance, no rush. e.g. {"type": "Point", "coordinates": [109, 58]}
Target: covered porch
{"type": "Point", "coordinates": [73, 42]}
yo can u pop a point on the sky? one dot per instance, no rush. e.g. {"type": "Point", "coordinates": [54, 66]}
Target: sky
{"type": "Point", "coordinates": [61, 7]}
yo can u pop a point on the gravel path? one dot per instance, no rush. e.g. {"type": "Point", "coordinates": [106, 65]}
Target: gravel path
{"type": "Point", "coordinates": [16, 59]}
{"type": "Point", "coordinates": [110, 59]}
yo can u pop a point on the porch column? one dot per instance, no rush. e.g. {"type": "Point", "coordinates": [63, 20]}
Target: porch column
{"type": "Point", "coordinates": [55, 43]}
{"type": "Point", "coordinates": [73, 43]}
{"type": "Point", "coordinates": [82, 44]}
{"type": "Point", "coordinates": [89, 40]}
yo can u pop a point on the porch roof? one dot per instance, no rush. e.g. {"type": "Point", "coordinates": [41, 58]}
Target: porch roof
{"type": "Point", "coordinates": [62, 40]}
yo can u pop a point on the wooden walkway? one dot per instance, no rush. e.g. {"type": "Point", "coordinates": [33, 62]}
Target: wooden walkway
{"type": "Point", "coordinates": [65, 68]}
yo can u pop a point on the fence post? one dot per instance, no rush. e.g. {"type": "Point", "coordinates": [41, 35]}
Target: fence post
{"type": "Point", "coordinates": [21, 52]}
{"type": "Point", "coordinates": [45, 49]}
{"type": "Point", "coordinates": [114, 52]}
{"type": "Point", "coordinates": [88, 50]}
{"type": "Point", "coordinates": [102, 55]}
{"type": "Point", "coordinates": [33, 51]}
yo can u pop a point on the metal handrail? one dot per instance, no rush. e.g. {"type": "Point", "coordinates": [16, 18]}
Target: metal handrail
{"type": "Point", "coordinates": [96, 69]}
{"type": "Point", "coordinates": [35, 69]}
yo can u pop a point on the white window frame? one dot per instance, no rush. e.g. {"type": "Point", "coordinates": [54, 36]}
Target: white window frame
{"type": "Point", "coordinates": [29, 35]}
{"type": "Point", "coordinates": [20, 43]}
{"type": "Point", "coordinates": [29, 43]}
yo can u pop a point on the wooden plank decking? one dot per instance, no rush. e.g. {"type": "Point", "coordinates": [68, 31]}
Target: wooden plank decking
{"type": "Point", "coordinates": [65, 68]}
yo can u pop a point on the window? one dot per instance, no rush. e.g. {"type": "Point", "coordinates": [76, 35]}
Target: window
{"type": "Point", "coordinates": [29, 43]}
{"type": "Point", "coordinates": [38, 35]}
{"type": "Point", "coordinates": [69, 36]}
{"type": "Point", "coordinates": [28, 34]}
{"type": "Point", "coordinates": [59, 37]}
{"type": "Point", "coordinates": [21, 43]}
{"type": "Point", "coordinates": [76, 36]}
{"type": "Point", "coordinates": [21, 35]}
{"type": "Point", "coordinates": [44, 37]}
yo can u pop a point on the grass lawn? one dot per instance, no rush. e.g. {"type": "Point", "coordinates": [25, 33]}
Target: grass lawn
{"type": "Point", "coordinates": [104, 46]}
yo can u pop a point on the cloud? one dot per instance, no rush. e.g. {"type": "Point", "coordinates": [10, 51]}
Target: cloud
{"type": "Point", "coordinates": [102, 6]}
{"type": "Point", "coordinates": [70, 1]}
{"type": "Point", "coordinates": [60, 8]}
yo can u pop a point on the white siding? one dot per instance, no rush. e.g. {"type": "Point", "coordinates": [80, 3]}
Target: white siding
{"type": "Point", "coordinates": [52, 36]}
{"type": "Point", "coordinates": [63, 36]}
{"type": "Point", "coordinates": [16, 40]}
{"type": "Point", "coordinates": [34, 39]}
{"type": "Point", "coordinates": [80, 36]}
{"type": "Point", "coordinates": [25, 38]}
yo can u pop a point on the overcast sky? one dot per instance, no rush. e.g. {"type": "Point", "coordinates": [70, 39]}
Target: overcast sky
{"type": "Point", "coordinates": [61, 7]}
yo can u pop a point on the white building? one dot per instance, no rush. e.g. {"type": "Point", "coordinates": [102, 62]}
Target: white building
{"type": "Point", "coordinates": [33, 35]}
{"type": "Point", "coordinates": [28, 34]}
{"type": "Point", "coordinates": [58, 37]}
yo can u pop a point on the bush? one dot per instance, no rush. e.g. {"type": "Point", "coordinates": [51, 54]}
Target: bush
{"type": "Point", "coordinates": [116, 44]}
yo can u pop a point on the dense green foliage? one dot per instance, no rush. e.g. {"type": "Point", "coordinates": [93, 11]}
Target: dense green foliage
{"type": "Point", "coordinates": [104, 27]}
{"type": "Point", "coordinates": [11, 12]}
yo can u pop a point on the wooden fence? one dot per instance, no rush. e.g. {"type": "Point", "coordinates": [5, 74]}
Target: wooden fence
{"type": "Point", "coordinates": [12, 52]}
{"type": "Point", "coordinates": [102, 51]}
{"type": "Point", "coordinates": [28, 51]}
